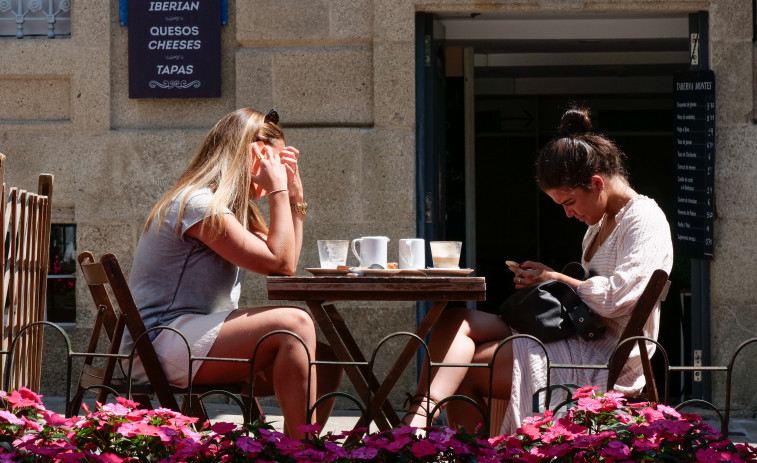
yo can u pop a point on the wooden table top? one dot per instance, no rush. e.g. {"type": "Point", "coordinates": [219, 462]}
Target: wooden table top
{"type": "Point", "coordinates": [381, 288]}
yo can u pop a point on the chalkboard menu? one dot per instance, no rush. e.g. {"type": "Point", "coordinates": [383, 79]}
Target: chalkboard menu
{"type": "Point", "coordinates": [694, 151]}
{"type": "Point", "coordinates": [174, 49]}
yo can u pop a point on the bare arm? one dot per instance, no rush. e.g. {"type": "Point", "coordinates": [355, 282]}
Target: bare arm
{"type": "Point", "coordinates": [273, 254]}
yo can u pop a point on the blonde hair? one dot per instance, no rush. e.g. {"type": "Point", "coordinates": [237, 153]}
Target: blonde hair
{"type": "Point", "coordinates": [224, 165]}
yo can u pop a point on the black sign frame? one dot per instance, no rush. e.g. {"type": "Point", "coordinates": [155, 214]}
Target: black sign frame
{"type": "Point", "coordinates": [174, 49]}
{"type": "Point", "coordinates": [694, 161]}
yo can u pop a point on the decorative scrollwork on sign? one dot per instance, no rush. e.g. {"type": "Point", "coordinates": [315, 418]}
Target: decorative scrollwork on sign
{"type": "Point", "coordinates": [35, 5]}
{"type": "Point", "coordinates": [174, 84]}
{"type": "Point", "coordinates": [172, 57]}
{"type": "Point", "coordinates": [175, 18]}
{"type": "Point", "coordinates": [5, 5]}
{"type": "Point", "coordinates": [64, 5]}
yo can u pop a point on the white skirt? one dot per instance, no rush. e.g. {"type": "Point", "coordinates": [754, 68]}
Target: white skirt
{"type": "Point", "coordinates": [199, 329]}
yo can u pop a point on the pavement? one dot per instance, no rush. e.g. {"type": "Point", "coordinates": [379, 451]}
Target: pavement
{"type": "Point", "coordinates": [740, 429]}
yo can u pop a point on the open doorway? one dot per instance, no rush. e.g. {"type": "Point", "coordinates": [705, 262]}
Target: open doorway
{"type": "Point", "coordinates": [525, 71]}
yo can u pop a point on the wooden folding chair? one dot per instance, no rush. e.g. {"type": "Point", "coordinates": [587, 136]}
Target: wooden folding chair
{"type": "Point", "coordinates": [106, 274]}
{"type": "Point", "coordinates": [25, 249]}
{"type": "Point", "coordinates": [656, 289]}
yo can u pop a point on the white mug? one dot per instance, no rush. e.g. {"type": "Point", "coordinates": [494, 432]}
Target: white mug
{"type": "Point", "coordinates": [372, 250]}
{"type": "Point", "coordinates": [412, 253]}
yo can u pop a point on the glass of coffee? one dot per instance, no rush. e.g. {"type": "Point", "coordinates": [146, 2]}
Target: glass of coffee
{"type": "Point", "coordinates": [446, 254]}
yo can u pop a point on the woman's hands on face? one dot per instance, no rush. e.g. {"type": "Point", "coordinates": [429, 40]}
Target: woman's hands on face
{"type": "Point", "coordinates": [289, 157]}
{"type": "Point", "coordinates": [272, 174]}
{"type": "Point", "coordinates": [529, 273]}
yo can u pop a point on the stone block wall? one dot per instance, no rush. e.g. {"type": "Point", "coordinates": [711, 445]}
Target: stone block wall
{"type": "Point", "coordinates": [341, 74]}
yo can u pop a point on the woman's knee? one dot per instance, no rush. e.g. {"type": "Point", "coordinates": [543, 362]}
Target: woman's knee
{"type": "Point", "coordinates": [299, 322]}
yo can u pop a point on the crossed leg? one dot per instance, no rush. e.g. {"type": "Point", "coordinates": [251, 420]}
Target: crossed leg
{"type": "Point", "coordinates": [464, 336]}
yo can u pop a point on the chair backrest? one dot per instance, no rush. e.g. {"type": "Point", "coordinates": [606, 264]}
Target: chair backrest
{"type": "Point", "coordinates": [25, 249]}
{"type": "Point", "coordinates": [106, 318]}
{"type": "Point", "coordinates": [107, 272]}
{"type": "Point", "coordinates": [656, 289]}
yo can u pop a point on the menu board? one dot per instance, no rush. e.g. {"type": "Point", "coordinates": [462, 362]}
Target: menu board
{"type": "Point", "coordinates": [174, 49]}
{"type": "Point", "coordinates": [694, 151]}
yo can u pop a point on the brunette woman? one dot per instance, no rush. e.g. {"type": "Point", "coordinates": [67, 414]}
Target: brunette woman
{"type": "Point", "coordinates": [628, 237]}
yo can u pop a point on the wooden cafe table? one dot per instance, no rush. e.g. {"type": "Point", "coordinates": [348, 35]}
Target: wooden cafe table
{"type": "Point", "coordinates": [321, 292]}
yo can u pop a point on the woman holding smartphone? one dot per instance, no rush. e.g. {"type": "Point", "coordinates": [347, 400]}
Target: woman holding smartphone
{"type": "Point", "coordinates": [628, 237]}
{"type": "Point", "coordinates": [191, 258]}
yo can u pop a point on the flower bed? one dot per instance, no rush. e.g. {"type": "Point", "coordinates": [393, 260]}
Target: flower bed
{"type": "Point", "coordinates": [597, 428]}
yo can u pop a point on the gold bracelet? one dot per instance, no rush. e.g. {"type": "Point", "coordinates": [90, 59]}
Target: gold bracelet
{"type": "Point", "coordinates": [301, 208]}
{"type": "Point", "coordinates": [276, 191]}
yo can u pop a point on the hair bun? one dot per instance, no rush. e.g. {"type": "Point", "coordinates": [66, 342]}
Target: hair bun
{"type": "Point", "coordinates": [574, 122]}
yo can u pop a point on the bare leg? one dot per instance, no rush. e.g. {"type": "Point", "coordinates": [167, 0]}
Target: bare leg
{"type": "Point", "coordinates": [455, 340]}
{"type": "Point", "coordinates": [476, 386]}
{"type": "Point", "coordinates": [283, 354]}
{"type": "Point", "coordinates": [329, 378]}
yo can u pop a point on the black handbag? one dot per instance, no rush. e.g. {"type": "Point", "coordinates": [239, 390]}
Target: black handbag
{"type": "Point", "coordinates": [551, 310]}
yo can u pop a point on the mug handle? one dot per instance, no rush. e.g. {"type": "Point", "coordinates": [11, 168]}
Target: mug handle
{"type": "Point", "coordinates": [406, 251]}
{"type": "Point", "coordinates": [354, 242]}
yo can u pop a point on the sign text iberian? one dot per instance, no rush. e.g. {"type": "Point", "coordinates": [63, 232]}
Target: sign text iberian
{"type": "Point", "coordinates": [174, 49]}
{"type": "Point", "coordinates": [694, 160]}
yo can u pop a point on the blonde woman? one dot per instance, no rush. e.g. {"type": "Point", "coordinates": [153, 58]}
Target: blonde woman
{"type": "Point", "coordinates": [193, 252]}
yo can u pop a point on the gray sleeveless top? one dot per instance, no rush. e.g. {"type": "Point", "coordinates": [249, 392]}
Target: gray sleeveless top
{"type": "Point", "coordinates": [173, 276]}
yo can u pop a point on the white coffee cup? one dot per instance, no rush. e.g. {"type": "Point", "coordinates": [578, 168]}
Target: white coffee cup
{"type": "Point", "coordinates": [372, 250]}
{"type": "Point", "coordinates": [412, 253]}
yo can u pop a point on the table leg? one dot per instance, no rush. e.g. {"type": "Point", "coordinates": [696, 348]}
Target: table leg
{"type": "Point", "coordinates": [349, 342]}
{"type": "Point", "coordinates": [346, 350]}
{"type": "Point", "coordinates": [401, 363]}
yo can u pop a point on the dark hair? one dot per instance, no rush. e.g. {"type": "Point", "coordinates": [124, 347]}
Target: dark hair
{"type": "Point", "coordinates": [577, 154]}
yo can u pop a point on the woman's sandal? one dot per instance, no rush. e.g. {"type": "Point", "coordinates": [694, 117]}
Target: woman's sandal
{"type": "Point", "coordinates": [424, 403]}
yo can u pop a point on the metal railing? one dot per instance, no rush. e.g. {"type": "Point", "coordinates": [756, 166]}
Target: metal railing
{"type": "Point", "coordinates": [365, 404]}
{"type": "Point", "coordinates": [23, 18]}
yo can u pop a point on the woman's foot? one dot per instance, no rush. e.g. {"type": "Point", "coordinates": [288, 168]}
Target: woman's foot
{"type": "Point", "coordinates": [419, 408]}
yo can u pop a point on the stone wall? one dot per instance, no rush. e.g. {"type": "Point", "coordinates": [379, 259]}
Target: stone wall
{"type": "Point", "coordinates": [341, 74]}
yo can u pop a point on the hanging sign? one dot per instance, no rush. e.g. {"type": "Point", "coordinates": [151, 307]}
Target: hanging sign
{"type": "Point", "coordinates": [694, 161]}
{"type": "Point", "coordinates": [174, 49]}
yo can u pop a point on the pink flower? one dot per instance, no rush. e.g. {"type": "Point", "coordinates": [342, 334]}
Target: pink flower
{"type": "Point", "coordinates": [530, 431]}
{"type": "Point", "coordinates": [222, 427]}
{"type": "Point", "coordinates": [422, 449]}
{"type": "Point", "coordinates": [399, 442]}
{"type": "Point", "coordinates": [249, 445]}
{"type": "Point", "coordinates": [314, 428]}
{"type": "Point", "coordinates": [9, 417]}
{"type": "Point", "coordinates": [616, 449]}
{"type": "Point", "coordinates": [563, 428]}
{"type": "Point", "coordinates": [589, 404]}
{"type": "Point", "coordinates": [335, 450]}
{"type": "Point", "coordinates": [670, 411]}
{"type": "Point", "coordinates": [586, 391]}
{"type": "Point", "coordinates": [537, 420]}
{"type": "Point", "coordinates": [126, 402]}
{"type": "Point", "coordinates": [441, 435]}
{"type": "Point", "coordinates": [643, 444]}
{"type": "Point", "coordinates": [709, 454]}
{"type": "Point", "coordinates": [364, 453]}
{"type": "Point", "coordinates": [287, 445]}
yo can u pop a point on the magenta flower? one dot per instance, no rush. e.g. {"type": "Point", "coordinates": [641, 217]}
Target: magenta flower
{"type": "Point", "coordinates": [530, 431]}
{"type": "Point", "coordinates": [586, 391]}
{"type": "Point", "coordinates": [364, 453]}
{"type": "Point", "coordinates": [616, 449]}
{"type": "Point", "coordinates": [399, 442]}
{"type": "Point", "coordinates": [10, 418]}
{"type": "Point", "coordinates": [423, 449]}
{"type": "Point", "coordinates": [710, 454]}
{"type": "Point", "coordinates": [314, 428]}
{"type": "Point", "coordinates": [222, 427]}
{"type": "Point", "coordinates": [249, 445]}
